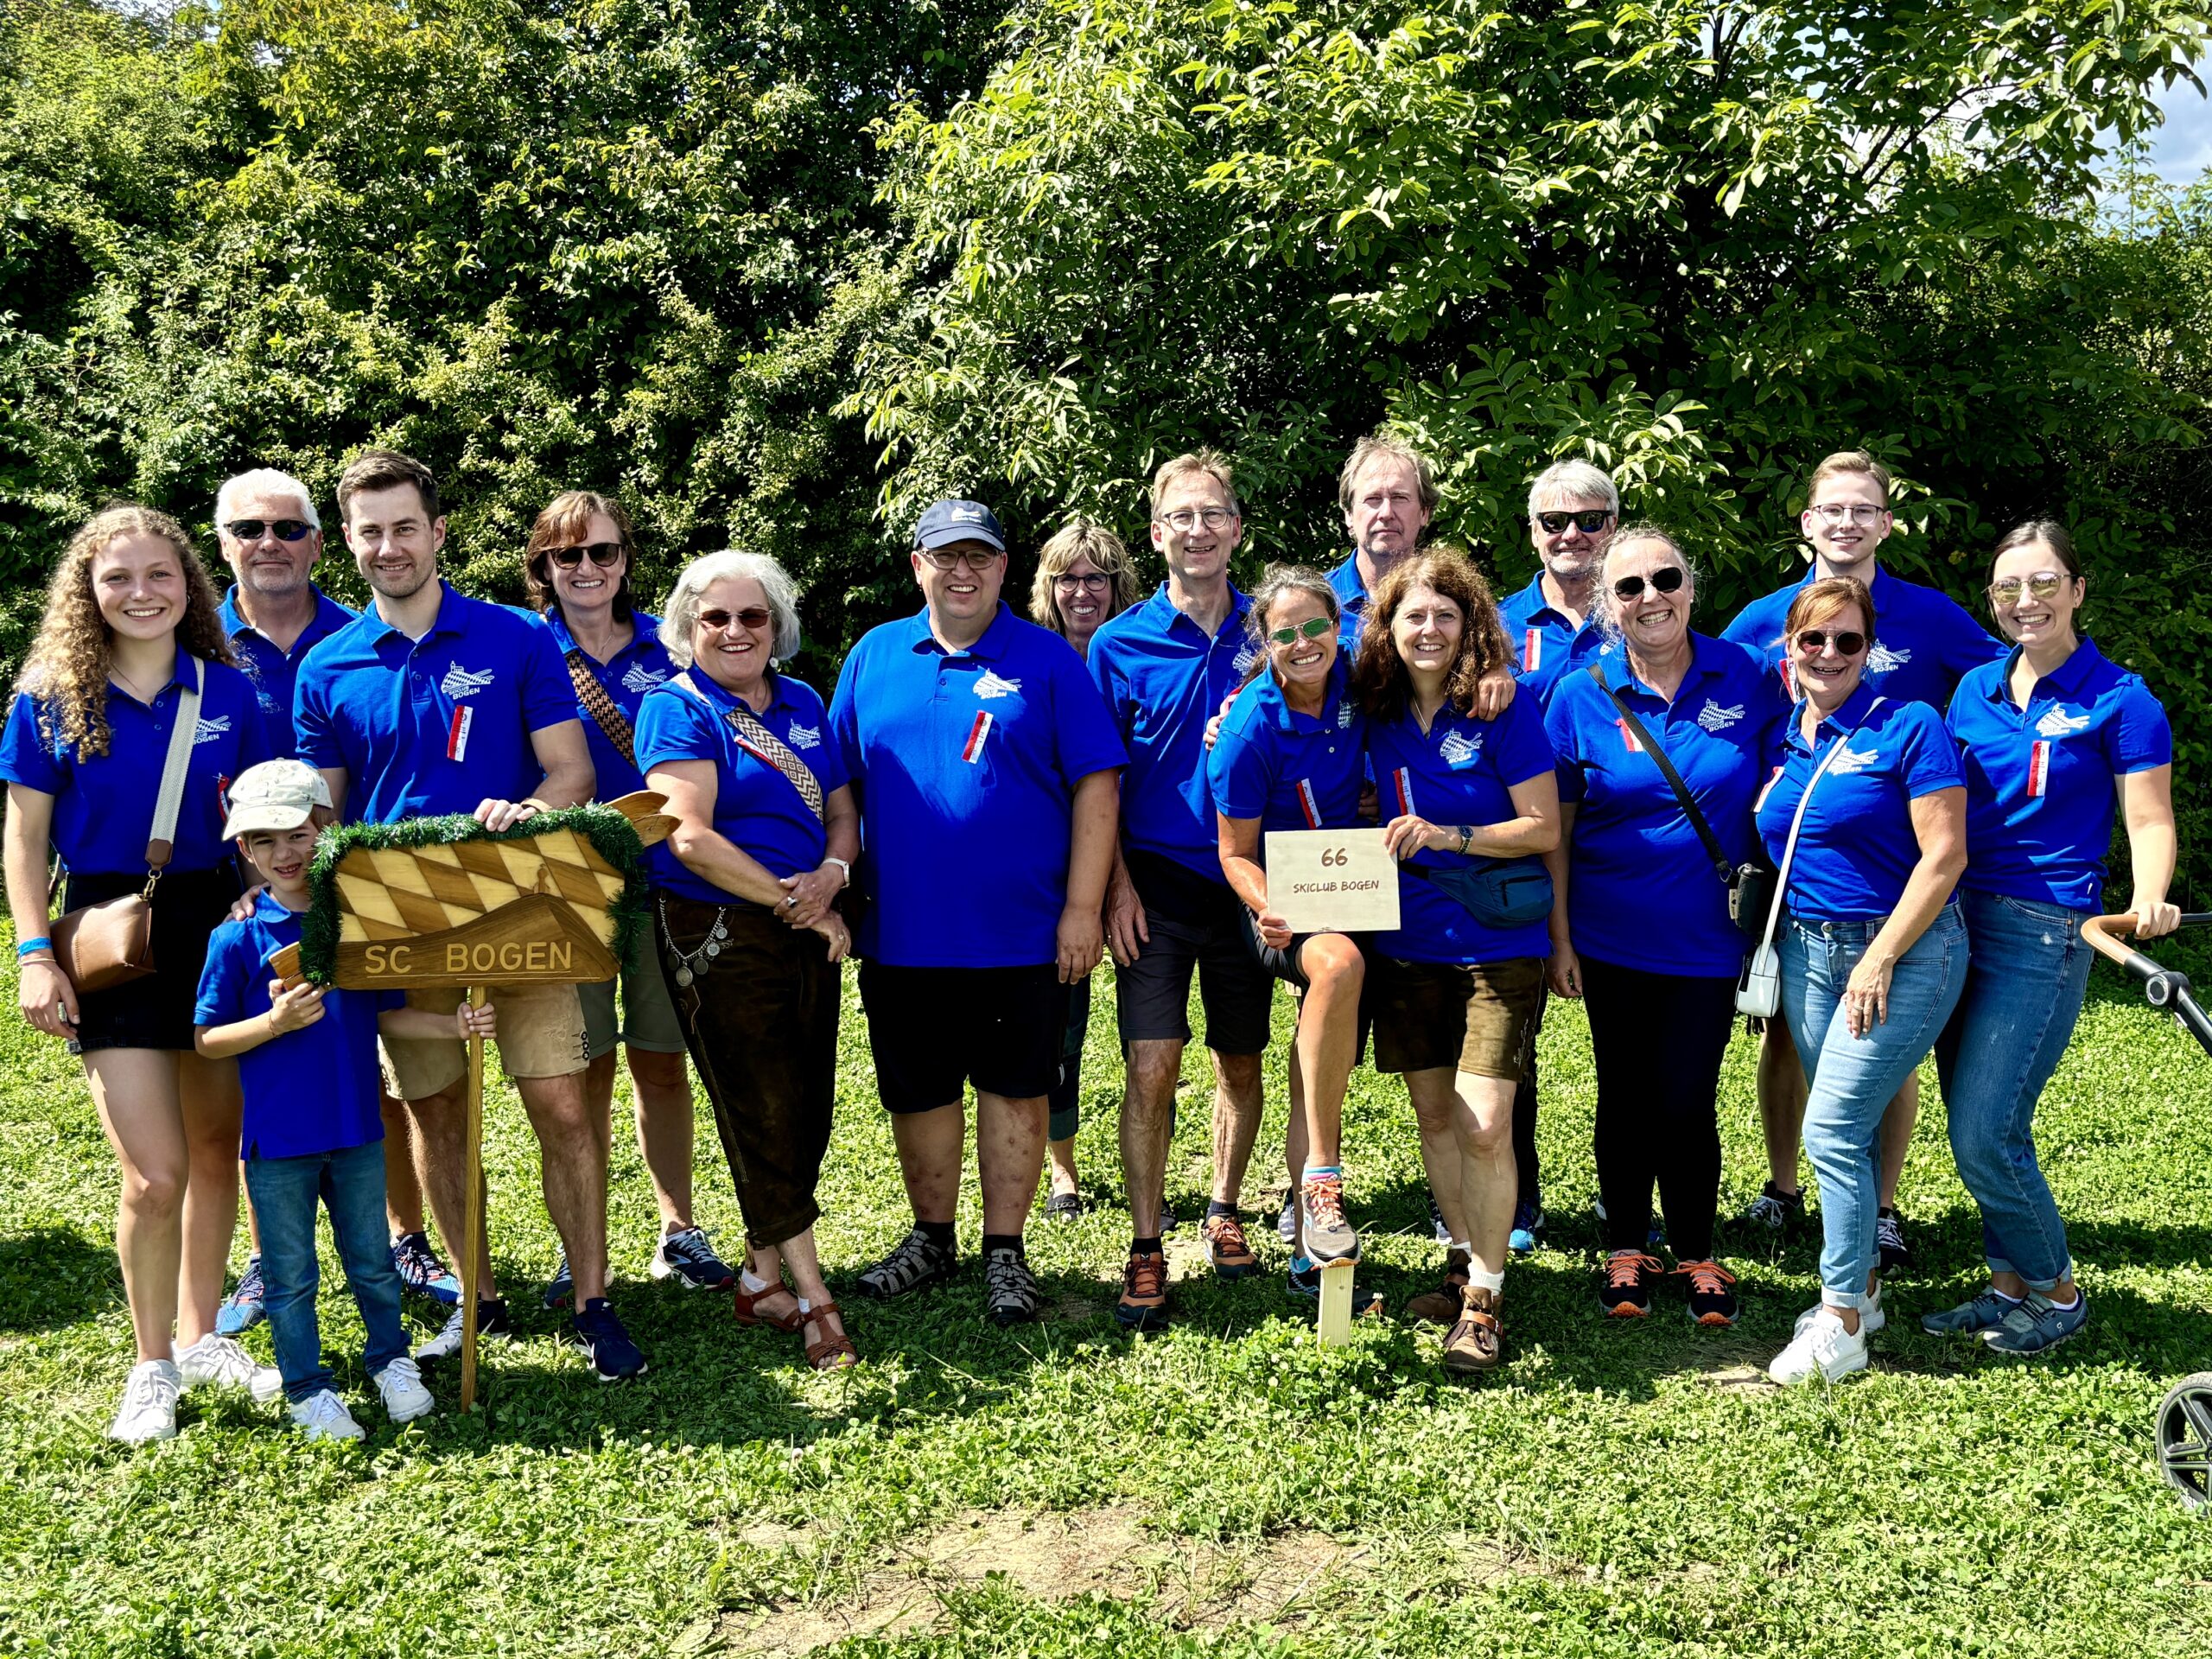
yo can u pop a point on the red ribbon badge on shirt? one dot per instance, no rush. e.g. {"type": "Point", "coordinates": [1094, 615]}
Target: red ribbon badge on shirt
{"type": "Point", "coordinates": [1628, 738]}
{"type": "Point", "coordinates": [1402, 780]}
{"type": "Point", "coordinates": [2038, 769]}
{"type": "Point", "coordinates": [1532, 651]}
{"type": "Point", "coordinates": [457, 732]}
{"type": "Point", "coordinates": [972, 751]}
{"type": "Point", "coordinates": [1309, 804]}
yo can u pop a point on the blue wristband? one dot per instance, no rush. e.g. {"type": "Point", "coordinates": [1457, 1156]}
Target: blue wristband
{"type": "Point", "coordinates": [25, 947]}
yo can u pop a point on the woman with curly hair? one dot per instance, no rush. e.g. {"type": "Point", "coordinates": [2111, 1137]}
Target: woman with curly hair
{"type": "Point", "coordinates": [131, 635]}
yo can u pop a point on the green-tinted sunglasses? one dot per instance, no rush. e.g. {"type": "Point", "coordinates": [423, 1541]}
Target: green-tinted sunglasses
{"type": "Point", "coordinates": [1312, 628]}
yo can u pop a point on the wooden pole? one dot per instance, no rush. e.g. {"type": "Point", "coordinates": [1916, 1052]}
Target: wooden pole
{"type": "Point", "coordinates": [474, 1164]}
{"type": "Point", "coordinates": [1335, 1324]}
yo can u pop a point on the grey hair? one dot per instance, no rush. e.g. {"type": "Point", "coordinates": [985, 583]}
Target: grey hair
{"type": "Point", "coordinates": [1609, 604]}
{"type": "Point", "coordinates": [270, 481]}
{"type": "Point", "coordinates": [1574, 480]}
{"type": "Point", "coordinates": [681, 615]}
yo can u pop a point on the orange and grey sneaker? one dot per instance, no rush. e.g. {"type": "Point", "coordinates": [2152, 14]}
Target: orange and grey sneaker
{"type": "Point", "coordinates": [1476, 1341]}
{"type": "Point", "coordinates": [1144, 1305]}
{"type": "Point", "coordinates": [1712, 1292]}
{"type": "Point", "coordinates": [1441, 1306]}
{"type": "Point", "coordinates": [1227, 1251]}
{"type": "Point", "coordinates": [1329, 1237]}
{"type": "Point", "coordinates": [1624, 1283]}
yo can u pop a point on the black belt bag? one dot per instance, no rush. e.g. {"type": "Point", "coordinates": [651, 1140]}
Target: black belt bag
{"type": "Point", "coordinates": [1500, 893]}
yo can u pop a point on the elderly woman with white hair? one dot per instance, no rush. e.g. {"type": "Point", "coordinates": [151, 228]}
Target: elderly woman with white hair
{"type": "Point", "coordinates": [744, 901]}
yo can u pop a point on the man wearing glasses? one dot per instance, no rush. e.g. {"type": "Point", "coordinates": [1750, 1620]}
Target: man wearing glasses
{"type": "Point", "coordinates": [1924, 643]}
{"type": "Point", "coordinates": [988, 774]}
{"type": "Point", "coordinates": [1573, 510]}
{"type": "Point", "coordinates": [1163, 667]}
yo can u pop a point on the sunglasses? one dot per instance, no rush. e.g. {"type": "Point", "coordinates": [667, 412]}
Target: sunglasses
{"type": "Point", "coordinates": [1588, 522]}
{"type": "Point", "coordinates": [1663, 581]}
{"type": "Point", "coordinates": [1312, 628]}
{"type": "Point", "coordinates": [1813, 641]}
{"type": "Point", "coordinates": [2006, 590]}
{"type": "Point", "coordinates": [605, 554]}
{"type": "Point", "coordinates": [753, 616]}
{"type": "Point", "coordinates": [285, 529]}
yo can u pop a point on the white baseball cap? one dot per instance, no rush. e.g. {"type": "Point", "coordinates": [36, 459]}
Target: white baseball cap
{"type": "Point", "coordinates": [276, 795]}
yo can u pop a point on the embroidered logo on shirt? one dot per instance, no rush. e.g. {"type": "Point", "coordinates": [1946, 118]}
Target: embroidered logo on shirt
{"type": "Point", "coordinates": [2059, 723]}
{"type": "Point", "coordinates": [1881, 659]}
{"type": "Point", "coordinates": [1457, 748]}
{"type": "Point", "coordinates": [806, 737]}
{"type": "Point", "coordinates": [1245, 658]}
{"type": "Point", "coordinates": [992, 685]}
{"type": "Point", "coordinates": [459, 682]}
{"type": "Point", "coordinates": [1854, 759]}
{"type": "Point", "coordinates": [207, 731]}
{"type": "Point", "coordinates": [1715, 718]}
{"type": "Point", "coordinates": [1343, 716]}
{"type": "Point", "coordinates": [639, 678]}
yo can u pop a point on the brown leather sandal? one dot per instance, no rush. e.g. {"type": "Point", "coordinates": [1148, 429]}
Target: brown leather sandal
{"type": "Point", "coordinates": [834, 1353]}
{"type": "Point", "coordinates": [746, 1307]}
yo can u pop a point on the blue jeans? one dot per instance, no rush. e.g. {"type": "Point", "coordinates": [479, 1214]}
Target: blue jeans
{"type": "Point", "coordinates": [351, 1185]}
{"type": "Point", "coordinates": [1852, 1079]}
{"type": "Point", "coordinates": [2022, 999]}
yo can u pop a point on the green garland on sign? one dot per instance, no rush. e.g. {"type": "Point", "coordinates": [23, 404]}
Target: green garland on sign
{"type": "Point", "coordinates": [613, 836]}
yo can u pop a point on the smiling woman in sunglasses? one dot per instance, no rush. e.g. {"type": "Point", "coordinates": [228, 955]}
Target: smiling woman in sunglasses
{"type": "Point", "coordinates": [2057, 740]}
{"type": "Point", "coordinates": [1866, 822]}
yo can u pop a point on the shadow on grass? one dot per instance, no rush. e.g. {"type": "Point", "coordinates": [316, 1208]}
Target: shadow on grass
{"type": "Point", "coordinates": [51, 1277]}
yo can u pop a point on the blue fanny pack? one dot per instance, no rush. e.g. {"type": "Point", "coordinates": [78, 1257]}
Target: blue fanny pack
{"type": "Point", "coordinates": [1499, 893]}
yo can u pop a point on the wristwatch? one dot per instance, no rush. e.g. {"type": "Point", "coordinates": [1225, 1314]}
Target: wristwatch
{"type": "Point", "coordinates": [1466, 838]}
{"type": "Point", "coordinates": [843, 866]}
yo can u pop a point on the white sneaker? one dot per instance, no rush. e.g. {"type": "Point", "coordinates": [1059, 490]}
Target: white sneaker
{"type": "Point", "coordinates": [405, 1397]}
{"type": "Point", "coordinates": [322, 1416]}
{"type": "Point", "coordinates": [148, 1407]}
{"type": "Point", "coordinates": [1871, 1317]}
{"type": "Point", "coordinates": [1823, 1349]}
{"type": "Point", "coordinates": [222, 1360]}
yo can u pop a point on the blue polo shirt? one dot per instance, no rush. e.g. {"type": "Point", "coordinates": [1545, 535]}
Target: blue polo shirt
{"type": "Point", "coordinates": [1547, 642]}
{"type": "Point", "coordinates": [1351, 602]}
{"type": "Point", "coordinates": [1163, 679]}
{"type": "Point", "coordinates": [104, 807]}
{"type": "Point", "coordinates": [1640, 891]}
{"type": "Point", "coordinates": [1924, 642]}
{"type": "Point", "coordinates": [273, 671]}
{"type": "Point", "coordinates": [307, 1091]}
{"type": "Point", "coordinates": [2041, 794]}
{"type": "Point", "coordinates": [1461, 770]}
{"type": "Point", "coordinates": [966, 764]}
{"type": "Point", "coordinates": [1857, 849]}
{"type": "Point", "coordinates": [626, 678]}
{"type": "Point", "coordinates": [757, 810]}
{"type": "Point", "coordinates": [435, 725]}
{"type": "Point", "coordinates": [1289, 771]}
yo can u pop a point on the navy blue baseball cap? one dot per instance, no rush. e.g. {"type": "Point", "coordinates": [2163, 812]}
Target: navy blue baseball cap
{"type": "Point", "coordinates": [947, 522]}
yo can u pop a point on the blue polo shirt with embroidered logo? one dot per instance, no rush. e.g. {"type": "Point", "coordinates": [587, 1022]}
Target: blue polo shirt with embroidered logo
{"type": "Point", "coordinates": [104, 806]}
{"type": "Point", "coordinates": [1163, 679]}
{"type": "Point", "coordinates": [626, 678]}
{"type": "Point", "coordinates": [436, 725]}
{"type": "Point", "coordinates": [1857, 849]}
{"type": "Point", "coordinates": [2041, 782]}
{"type": "Point", "coordinates": [966, 764]}
{"type": "Point", "coordinates": [1461, 770]}
{"type": "Point", "coordinates": [1924, 641]}
{"type": "Point", "coordinates": [1642, 892]}
{"type": "Point", "coordinates": [1289, 771]}
{"type": "Point", "coordinates": [307, 1091]}
{"type": "Point", "coordinates": [757, 808]}
{"type": "Point", "coordinates": [272, 671]}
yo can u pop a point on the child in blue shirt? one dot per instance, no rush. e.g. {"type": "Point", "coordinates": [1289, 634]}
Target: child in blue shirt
{"type": "Point", "coordinates": [307, 1070]}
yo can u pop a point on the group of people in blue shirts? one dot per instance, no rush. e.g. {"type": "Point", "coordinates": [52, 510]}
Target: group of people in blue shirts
{"type": "Point", "coordinates": [1582, 792]}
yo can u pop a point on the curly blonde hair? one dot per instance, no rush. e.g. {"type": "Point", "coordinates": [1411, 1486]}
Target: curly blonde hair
{"type": "Point", "coordinates": [67, 668]}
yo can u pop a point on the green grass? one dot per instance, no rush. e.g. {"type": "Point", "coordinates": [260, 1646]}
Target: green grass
{"type": "Point", "coordinates": [1228, 1488]}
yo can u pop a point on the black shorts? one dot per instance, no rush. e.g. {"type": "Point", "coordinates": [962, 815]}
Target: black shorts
{"type": "Point", "coordinates": [1194, 924]}
{"type": "Point", "coordinates": [932, 1031]}
{"type": "Point", "coordinates": [154, 1012]}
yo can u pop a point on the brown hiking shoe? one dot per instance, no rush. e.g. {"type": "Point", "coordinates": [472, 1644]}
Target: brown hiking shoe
{"type": "Point", "coordinates": [1228, 1250]}
{"type": "Point", "coordinates": [1476, 1342]}
{"type": "Point", "coordinates": [1144, 1305]}
{"type": "Point", "coordinates": [1441, 1306]}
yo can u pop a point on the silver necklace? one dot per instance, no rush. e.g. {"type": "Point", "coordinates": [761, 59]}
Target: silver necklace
{"type": "Point", "coordinates": [689, 966]}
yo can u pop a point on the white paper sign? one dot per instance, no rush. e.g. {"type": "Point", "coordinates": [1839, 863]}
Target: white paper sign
{"type": "Point", "coordinates": [1331, 881]}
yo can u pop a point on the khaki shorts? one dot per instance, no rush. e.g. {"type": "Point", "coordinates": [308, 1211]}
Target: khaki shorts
{"type": "Point", "coordinates": [541, 1035]}
{"type": "Point", "coordinates": [648, 1021]}
{"type": "Point", "coordinates": [1480, 1019]}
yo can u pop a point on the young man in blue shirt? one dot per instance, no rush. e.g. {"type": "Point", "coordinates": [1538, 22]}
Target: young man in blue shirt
{"type": "Point", "coordinates": [988, 772]}
{"type": "Point", "coordinates": [1925, 643]}
{"type": "Point", "coordinates": [434, 703]}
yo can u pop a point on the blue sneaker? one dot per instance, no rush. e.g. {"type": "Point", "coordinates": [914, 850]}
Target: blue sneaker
{"type": "Point", "coordinates": [1286, 1222]}
{"type": "Point", "coordinates": [560, 1288]}
{"type": "Point", "coordinates": [1984, 1312]}
{"type": "Point", "coordinates": [602, 1337]}
{"type": "Point", "coordinates": [1304, 1278]}
{"type": "Point", "coordinates": [247, 1305]}
{"type": "Point", "coordinates": [687, 1258]}
{"type": "Point", "coordinates": [1527, 1229]}
{"type": "Point", "coordinates": [2038, 1323]}
{"type": "Point", "coordinates": [421, 1272]}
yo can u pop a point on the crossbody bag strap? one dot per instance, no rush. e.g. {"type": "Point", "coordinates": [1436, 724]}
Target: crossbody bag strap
{"type": "Point", "coordinates": [606, 713]}
{"type": "Point", "coordinates": [1721, 865]}
{"type": "Point", "coordinates": [161, 844]}
{"type": "Point", "coordinates": [1789, 847]}
{"type": "Point", "coordinates": [754, 737]}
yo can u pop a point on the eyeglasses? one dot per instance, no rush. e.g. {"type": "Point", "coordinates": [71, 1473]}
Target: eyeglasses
{"type": "Point", "coordinates": [1184, 519]}
{"type": "Point", "coordinates": [1588, 522]}
{"type": "Point", "coordinates": [1095, 583]}
{"type": "Point", "coordinates": [2006, 590]}
{"type": "Point", "coordinates": [753, 616]}
{"type": "Point", "coordinates": [605, 554]}
{"type": "Point", "coordinates": [1663, 581]}
{"type": "Point", "coordinates": [946, 559]}
{"type": "Point", "coordinates": [1842, 512]}
{"type": "Point", "coordinates": [1312, 628]}
{"type": "Point", "coordinates": [1813, 641]}
{"type": "Point", "coordinates": [285, 529]}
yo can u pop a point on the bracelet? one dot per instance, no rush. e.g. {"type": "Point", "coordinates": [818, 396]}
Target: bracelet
{"type": "Point", "coordinates": [25, 947]}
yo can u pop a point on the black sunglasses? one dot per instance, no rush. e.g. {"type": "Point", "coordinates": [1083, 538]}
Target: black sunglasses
{"type": "Point", "coordinates": [753, 616]}
{"type": "Point", "coordinates": [1588, 522]}
{"type": "Point", "coordinates": [1847, 643]}
{"type": "Point", "coordinates": [605, 554]}
{"type": "Point", "coordinates": [285, 529]}
{"type": "Point", "coordinates": [1663, 581]}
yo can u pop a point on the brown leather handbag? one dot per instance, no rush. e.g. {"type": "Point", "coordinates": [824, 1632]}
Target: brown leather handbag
{"type": "Point", "coordinates": [110, 944]}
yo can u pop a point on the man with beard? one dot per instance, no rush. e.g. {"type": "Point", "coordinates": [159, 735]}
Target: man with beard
{"type": "Point", "coordinates": [434, 703]}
